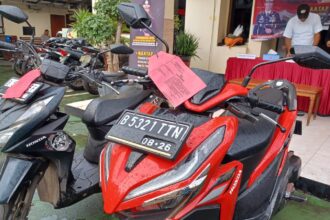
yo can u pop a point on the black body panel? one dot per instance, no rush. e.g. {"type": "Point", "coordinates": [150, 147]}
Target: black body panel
{"type": "Point", "coordinates": [145, 215]}
{"type": "Point", "coordinates": [257, 198]}
{"type": "Point", "coordinates": [206, 212]}
{"type": "Point", "coordinates": [177, 115]}
{"type": "Point", "coordinates": [120, 49]}
{"type": "Point", "coordinates": [103, 110]}
{"type": "Point", "coordinates": [93, 148]}
{"type": "Point", "coordinates": [214, 82]}
{"type": "Point", "coordinates": [271, 95]}
{"type": "Point", "coordinates": [84, 183]}
{"type": "Point", "coordinates": [275, 90]}
{"type": "Point", "coordinates": [252, 137]}
{"type": "Point", "coordinates": [10, 116]}
{"type": "Point", "coordinates": [15, 173]}
{"type": "Point", "coordinates": [54, 71]}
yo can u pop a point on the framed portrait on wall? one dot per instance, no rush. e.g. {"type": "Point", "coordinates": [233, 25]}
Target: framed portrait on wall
{"type": "Point", "coordinates": [271, 16]}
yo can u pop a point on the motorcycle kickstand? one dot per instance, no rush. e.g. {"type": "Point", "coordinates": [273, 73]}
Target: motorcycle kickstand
{"type": "Point", "coordinates": [289, 194]}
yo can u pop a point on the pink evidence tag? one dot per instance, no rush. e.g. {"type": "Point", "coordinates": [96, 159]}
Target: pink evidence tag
{"type": "Point", "coordinates": [18, 89]}
{"type": "Point", "coordinates": [173, 78]}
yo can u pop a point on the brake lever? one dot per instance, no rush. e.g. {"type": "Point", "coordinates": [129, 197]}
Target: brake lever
{"type": "Point", "coordinates": [241, 113]}
{"type": "Point", "coordinates": [260, 114]}
{"type": "Point", "coordinates": [111, 87]}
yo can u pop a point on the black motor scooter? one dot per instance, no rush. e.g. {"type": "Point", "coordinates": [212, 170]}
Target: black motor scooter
{"type": "Point", "coordinates": [39, 154]}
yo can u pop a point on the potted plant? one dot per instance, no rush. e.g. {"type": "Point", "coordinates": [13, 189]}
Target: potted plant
{"type": "Point", "coordinates": [186, 46]}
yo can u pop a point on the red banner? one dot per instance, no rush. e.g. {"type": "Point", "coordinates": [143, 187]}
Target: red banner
{"type": "Point", "coordinates": [271, 17]}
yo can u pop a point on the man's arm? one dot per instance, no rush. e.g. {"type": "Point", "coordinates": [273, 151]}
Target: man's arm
{"type": "Point", "coordinates": [317, 30]}
{"type": "Point", "coordinates": [288, 35]}
{"type": "Point", "coordinates": [317, 38]}
{"type": "Point", "coordinates": [288, 45]}
{"type": "Point", "coordinates": [327, 39]}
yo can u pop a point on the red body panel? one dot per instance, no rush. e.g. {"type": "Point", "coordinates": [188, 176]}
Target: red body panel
{"type": "Point", "coordinates": [287, 120]}
{"type": "Point", "coordinates": [227, 199]}
{"type": "Point", "coordinates": [285, 156]}
{"type": "Point", "coordinates": [121, 182]}
{"type": "Point", "coordinates": [229, 90]}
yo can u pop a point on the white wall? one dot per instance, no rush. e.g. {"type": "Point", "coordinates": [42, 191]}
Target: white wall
{"type": "Point", "coordinates": [199, 21]}
{"type": "Point", "coordinates": [207, 20]}
{"type": "Point", "coordinates": [39, 19]}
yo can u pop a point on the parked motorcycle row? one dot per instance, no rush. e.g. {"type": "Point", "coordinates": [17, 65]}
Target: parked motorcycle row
{"type": "Point", "coordinates": [148, 160]}
{"type": "Point", "coordinates": [86, 62]}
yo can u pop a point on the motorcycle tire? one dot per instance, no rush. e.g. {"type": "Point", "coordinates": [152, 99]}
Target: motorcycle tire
{"type": "Point", "coordinates": [19, 207]}
{"type": "Point", "coordinates": [17, 67]}
{"type": "Point", "coordinates": [92, 88]}
{"type": "Point", "coordinates": [76, 84]}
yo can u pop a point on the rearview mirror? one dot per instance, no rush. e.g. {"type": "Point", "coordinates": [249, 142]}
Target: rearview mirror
{"type": "Point", "coordinates": [134, 15]}
{"type": "Point", "coordinates": [311, 57]}
{"type": "Point", "coordinates": [13, 13]}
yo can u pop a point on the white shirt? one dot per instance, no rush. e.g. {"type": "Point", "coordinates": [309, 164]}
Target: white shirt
{"type": "Point", "coordinates": [302, 33]}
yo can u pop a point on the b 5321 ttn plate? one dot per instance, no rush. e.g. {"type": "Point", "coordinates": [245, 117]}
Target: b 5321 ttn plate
{"type": "Point", "coordinates": [150, 134]}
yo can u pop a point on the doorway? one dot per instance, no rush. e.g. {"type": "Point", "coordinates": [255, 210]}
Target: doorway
{"type": "Point", "coordinates": [57, 22]}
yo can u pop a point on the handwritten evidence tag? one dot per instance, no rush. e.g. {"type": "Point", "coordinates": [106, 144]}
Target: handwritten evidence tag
{"type": "Point", "coordinates": [173, 78]}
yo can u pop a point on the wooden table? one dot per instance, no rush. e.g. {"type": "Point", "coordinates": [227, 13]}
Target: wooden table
{"type": "Point", "coordinates": [311, 92]}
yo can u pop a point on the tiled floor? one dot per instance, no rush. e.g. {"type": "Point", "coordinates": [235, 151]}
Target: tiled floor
{"type": "Point", "coordinates": [313, 146]}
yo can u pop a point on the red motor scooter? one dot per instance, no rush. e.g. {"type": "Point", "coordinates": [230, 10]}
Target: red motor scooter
{"type": "Point", "coordinates": [174, 164]}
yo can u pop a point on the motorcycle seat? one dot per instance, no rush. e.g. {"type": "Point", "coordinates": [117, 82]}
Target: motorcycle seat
{"type": "Point", "coordinates": [108, 108]}
{"type": "Point", "coordinates": [112, 75]}
{"type": "Point", "coordinates": [214, 82]}
{"type": "Point", "coordinates": [253, 138]}
{"type": "Point", "coordinates": [177, 115]}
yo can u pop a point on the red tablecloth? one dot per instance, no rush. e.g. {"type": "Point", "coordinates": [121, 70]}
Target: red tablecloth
{"type": "Point", "coordinates": [238, 68]}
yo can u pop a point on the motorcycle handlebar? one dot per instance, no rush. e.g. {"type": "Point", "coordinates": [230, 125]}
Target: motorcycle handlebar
{"type": "Point", "coordinates": [74, 53]}
{"type": "Point", "coordinates": [256, 102]}
{"type": "Point", "coordinates": [7, 46]}
{"type": "Point", "coordinates": [271, 107]}
{"type": "Point", "coordinates": [135, 71]}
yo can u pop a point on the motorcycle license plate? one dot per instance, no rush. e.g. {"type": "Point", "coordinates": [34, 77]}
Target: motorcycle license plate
{"type": "Point", "coordinates": [28, 94]}
{"type": "Point", "coordinates": [150, 134]}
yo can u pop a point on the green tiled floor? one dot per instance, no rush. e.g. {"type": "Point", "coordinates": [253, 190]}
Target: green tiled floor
{"type": "Point", "coordinates": [313, 209]}
{"type": "Point", "coordinates": [91, 208]}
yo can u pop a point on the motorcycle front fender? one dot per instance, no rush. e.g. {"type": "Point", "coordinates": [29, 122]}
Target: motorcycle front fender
{"type": "Point", "coordinates": [15, 173]}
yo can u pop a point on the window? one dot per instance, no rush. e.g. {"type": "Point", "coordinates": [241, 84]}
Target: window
{"type": "Point", "coordinates": [240, 12]}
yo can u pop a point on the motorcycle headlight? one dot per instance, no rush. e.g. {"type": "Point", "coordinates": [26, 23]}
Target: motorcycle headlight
{"type": "Point", "coordinates": [32, 111]}
{"type": "Point", "coordinates": [184, 170]}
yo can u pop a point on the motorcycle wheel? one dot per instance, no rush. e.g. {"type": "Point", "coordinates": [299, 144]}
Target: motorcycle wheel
{"type": "Point", "coordinates": [76, 84]}
{"type": "Point", "coordinates": [17, 67]}
{"type": "Point", "coordinates": [19, 206]}
{"type": "Point", "coordinates": [91, 88]}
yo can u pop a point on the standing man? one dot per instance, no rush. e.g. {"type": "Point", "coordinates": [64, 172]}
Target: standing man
{"type": "Point", "coordinates": [268, 22]}
{"type": "Point", "coordinates": [45, 36]}
{"type": "Point", "coordinates": [303, 29]}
